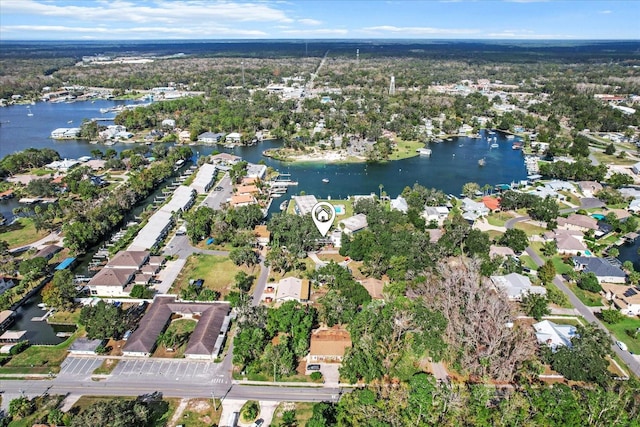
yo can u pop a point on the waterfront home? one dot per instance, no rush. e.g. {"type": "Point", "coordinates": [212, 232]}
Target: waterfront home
{"type": "Point", "coordinates": [233, 138]}
{"type": "Point", "coordinates": [293, 288]}
{"type": "Point", "coordinates": [256, 171]}
{"type": "Point", "coordinates": [62, 165]}
{"type": "Point", "coordinates": [168, 123]}
{"type": "Point", "coordinates": [112, 282]}
{"type": "Point", "coordinates": [472, 210]}
{"type": "Point", "coordinates": [303, 204]}
{"type": "Point", "coordinates": [129, 259]}
{"type": "Point", "coordinates": [553, 335]}
{"type": "Point", "coordinates": [604, 270]}
{"type": "Point", "coordinates": [492, 203]}
{"type": "Point", "coordinates": [225, 159]}
{"type": "Point", "coordinates": [65, 133]}
{"type": "Point", "coordinates": [210, 137]}
{"type": "Point", "coordinates": [353, 224]}
{"type": "Point", "coordinates": [238, 200]}
{"type": "Point", "coordinates": [204, 179]}
{"type": "Point", "coordinates": [568, 242]}
{"type": "Point", "coordinates": [624, 298]}
{"type": "Point", "coordinates": [578, 222]}
{"type": "Point", "coordinates": [184, 136]}
{"type": "Point", "coordinates": [435, 213]}
{"type": "Point", "coordinates": [399, 204]}
{"type": "Point", "coordinates": [328, 344]}
{"type": "Point", "coordinates": [516, 286]}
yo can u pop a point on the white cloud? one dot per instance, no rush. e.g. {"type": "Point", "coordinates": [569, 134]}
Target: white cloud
{"type": "Point", "coordinates": [418, 31]}
{"type": "Point", "coordinates": [309, 22]}
{"type": "Point", "coordinates": [605, 12]}
{"type": "Point", "coordinates": [528, 35]}
{"type": "Point", "coordinates": [317, 32]}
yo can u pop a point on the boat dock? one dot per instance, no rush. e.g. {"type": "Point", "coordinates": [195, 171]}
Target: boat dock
{"type": "Point", "coordinates": [44, 317]}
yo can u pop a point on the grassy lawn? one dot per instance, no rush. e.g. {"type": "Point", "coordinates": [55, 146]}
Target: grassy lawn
{"type": "Point", "coordinates": [612, 160]}
{"type": "Point", "coordinates": [304, 410]}
{"type": "Point", "coordinates": [530, 229]}
{"type": "Point", "coordinates": [571, 198]}
{"type": "Point", "coordinates": [40, 359]}
{"type": "Point", "coordinates": [499, 218]}
{"type": "Point", "coordinates": [405, 149]}
{"type": "Point", "coordinates": [65, 317]}
{"type": "Point", "coordinates": [179, 327]}
{"type": "Point", "coordinates": [107, 366]}
{"type": "Point", "coordinates": [494, 234]}
{"type": "Point", "coordinates": [527, 261]}
{"type": "Point", "coordinates": [620, 331]}
{"type": "Point", "coordinates": [559, 264]}
{"type": "Point", "coordinates": [567, 321]}
{"type": "Point", "coordinates": [217, 271]}
{"type": "Point", "coordinates": [589, 299]}
{"type": "Point", "coordinates": [21, 233]}
{"type": "Point", "coordinates": [201, 413]}
{"type": "Point", "coordinates": [348, 207]}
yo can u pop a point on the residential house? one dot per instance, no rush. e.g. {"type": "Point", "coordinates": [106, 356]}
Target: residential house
{"type": "Point", "coordinates": [554, 335]}
{"type": "Point", "coordinates": [233, 138]}
{"type": "Point", "coordinates": [112, 282]}
{"type": "Point", "coordinates": [294, 289]}
{"type": "Point", "coordinates": [225, 159]}
{"type": "Point", "coordinates": [604, 270]}
{"type": "Point", "coordinates": [634, 206]}
{"type": "Point", "coordinates": [263, 235]}
{"type": "Point", "coordinates": [568, 242]}
{"type": "Point", "coordinates": [636, 168]}
{"type": "Point", "coordinates": [5, 284]}
{"type": "Point", "coordinates": [435, 234]}
{"type": "Point", "coordinates": [6, 318]}
{"type": "Point", "coordinates": [169, 123]}
{"type": "Point", "coordinates": [516, 286]}
{"type": "Point", "coordinates": [210, 137]}
{"type": "Point", "coordinates": [492, 203]}
{"type": "Point", "coordinates": [328, 344]}
{"type": "Point", "coordinates": [184, 136]}
{"type": "Point", "coordinates": [48, 252]}
{"type": "Point", "coordinates": [624, 298]}
{"type": "Point", "coordinates": [303, 204]}
{"type": "Point", "coordinates": [238, 200]}
{"type": "Point", "coordinates": [502, 251]}
{"type": "Point", "coordinates": [472, 210]}
{"type": "Point", "coordinates": [578, 222]}
{"type": "Point", "coordinates": [589, 188]}
{"type": "Point", "coordinates": [399, 204]}
{"type": "Point", "coordinates": [256, 171]}
{"type": "Point", "coordinates": [435, 213]}
{"type": "Point", "coordinates": [374, 286]}
{"type": "Point", "coordinates": [354, 224]}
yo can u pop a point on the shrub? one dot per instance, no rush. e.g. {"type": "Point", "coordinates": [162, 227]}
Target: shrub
{"type": "Point", "coordinates": [611, 316]}
{"type": "Point", "coordinates": [250, 410]}
{"type": "Point", "coordinates": [316, 376]}
{"type": "Point", "coordinates": [589, 282]}
{"type": "Point", "coordinates": [19, 347]}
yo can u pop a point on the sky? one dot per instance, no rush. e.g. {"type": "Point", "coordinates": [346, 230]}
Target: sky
{"type": "Point", "coordinates": [318, 19]}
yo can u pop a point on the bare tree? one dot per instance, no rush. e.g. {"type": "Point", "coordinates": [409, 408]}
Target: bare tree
{"type": "Point", "coordinates": [480, 331]}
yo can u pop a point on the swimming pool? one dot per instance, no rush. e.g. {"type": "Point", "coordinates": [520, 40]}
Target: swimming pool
{"type": "Point", "coordinates": [339, 209]}
{"type": "Point", "coordinates": [599, 217]}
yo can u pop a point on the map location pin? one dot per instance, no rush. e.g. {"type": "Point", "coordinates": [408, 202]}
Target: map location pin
{"type": "Point", "coordinates": [323, 214]}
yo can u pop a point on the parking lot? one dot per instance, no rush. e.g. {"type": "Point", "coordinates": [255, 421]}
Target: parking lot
{"type": "Point", "coordinates": [178, 369]}
{"type": "Point", "coordinates": [79, 366]}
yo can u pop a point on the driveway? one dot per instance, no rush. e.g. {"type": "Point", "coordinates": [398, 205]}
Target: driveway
{"type": "Point", "coordinates": [215, 199]}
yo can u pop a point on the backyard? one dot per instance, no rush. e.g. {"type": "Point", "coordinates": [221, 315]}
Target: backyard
{"type": "Point", "coordinates": [620, 331]}
{"type": "Point", "coordinates": [21, 233]}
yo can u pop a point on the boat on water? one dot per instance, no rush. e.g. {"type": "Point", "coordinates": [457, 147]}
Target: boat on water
{"type": "Point", "coordinates": [325, 180]}
{"type": "Point", "coordinates": [511, 136]}
{"type": "Point", "coordinates": [42, 305]}
{"type": "Point", "coordinates": [30, 114]}
{"type": "Point", "coordinates": [494, 145]}
{"type": "Point", "coordinates": [517, 146]}
{"type": "Point", "coordinates": [481, 162]}
{"type": "Point", "coordinates": [283, 205]}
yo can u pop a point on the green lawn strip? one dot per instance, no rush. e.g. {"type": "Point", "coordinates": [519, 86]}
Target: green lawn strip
{"type": "Point", "coordinates": [530, 229]}
{"type": "Point", "coordinates": [494, 234]}
{"type": "Point", "coordinates": [20, 233]}
{"type": "Point", "coordinates": [571, 198]}
{"type": "Point", "coordinates": [612, 160]}
{"type": "Point", "coordinates": [560, 265]}
{"type": "Point", "coordinates": [217, 271]}
{"type": "Point", "coordinates": [65, 317]}
{"type": "Point", "coordinates": [304, 411]}
{"type": "Point", "coordinates": [620, 331]}
{"type": "Point", "coordinates": [527, 261]}
{"type": "Point", "coordinates": [589, 299]}
{"type": "Point", "coordinates": [40, 359]}
{"type": "Point", "coordinates": [107, 366]}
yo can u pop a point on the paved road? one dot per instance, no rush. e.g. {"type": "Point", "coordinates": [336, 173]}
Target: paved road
{"type": "Point", "coordinates": [170, 388]}
{"type": "Point", "coordinates": [261, 283]}
{"type": "Point", "coordinates": [215, 199]}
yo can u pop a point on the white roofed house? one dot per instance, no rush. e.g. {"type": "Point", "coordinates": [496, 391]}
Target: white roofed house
{"type": "Point", "coordinates": [354, 224]}
{"type": "Point", "coordinates": [256, 171]}
{"type": "Point", "coordinates": [233, 138]}
{"type": "Point", "coordinates": [516, 286]}
{"type": "Point", "coordinates": [210, 137]}
{"type": "Point", "coordinates": [293, 288]}
{"type": "Point", "coordinates": [553, 335]}
{"type": "Point", "coordinates": [304, 204]}
{"type": "Point", "coordinates": [399, 204]}
{"type": "Point", "coordinates": [472, 210]}
{"type": "Point", "coordinates": [435, 213]}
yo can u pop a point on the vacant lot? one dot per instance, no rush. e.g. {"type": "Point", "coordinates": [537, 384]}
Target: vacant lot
{"type": "Point", "coordinates": [21, 232]}
{"type": "Point", "coordinates": [217, 271]}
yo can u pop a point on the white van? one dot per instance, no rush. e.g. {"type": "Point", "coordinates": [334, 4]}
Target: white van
{"type": "Point", "coordinates": [622, 345]}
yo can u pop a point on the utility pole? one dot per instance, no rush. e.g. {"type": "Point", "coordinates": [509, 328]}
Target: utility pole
{"type": "Point", "coordinates": [213, 397]}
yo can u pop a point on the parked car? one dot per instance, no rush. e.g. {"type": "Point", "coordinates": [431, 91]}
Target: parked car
{"type": "Point", "coordinates": [622, 346]}
{"type": "Point", "coordinates": [257, 423]}
{"type": "Point", "coordinates": [313, 367]}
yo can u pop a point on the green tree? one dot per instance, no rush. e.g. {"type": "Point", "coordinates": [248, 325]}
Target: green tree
{"type": "Point", "coordinates": [33, 268]}
{"type": "Point", "coordinates": [535, 305]}
{"type": "Point", "coordinates": [549, 248]}
{"type": "Point", "coordinates": [250, 410]}
{"type": "Point", "coordinates": [21, 407]}
{"type": "Point", "coordinates": [470, 189]}
{"type": "Point", "coordinates": [244, 281]}
{"type": "Point", "coordinates": [612, 316]}
{"type": "Point", "coordinates": [60, 292]}
{"type": "Point", "coordinates": [103, 321]}
{"type": "Point", "coordinates": [515, 239]}
{"type": "Point", "coordinates": [589, 282]}
{"type": "Point", "coordinates": [547, 272]}
{"type": "Point", "coordinates": [244, 255]}
{"type": "Point", "coordinates": [477, 243]}
{"type": "Point", "coordinates": [289, 418]}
